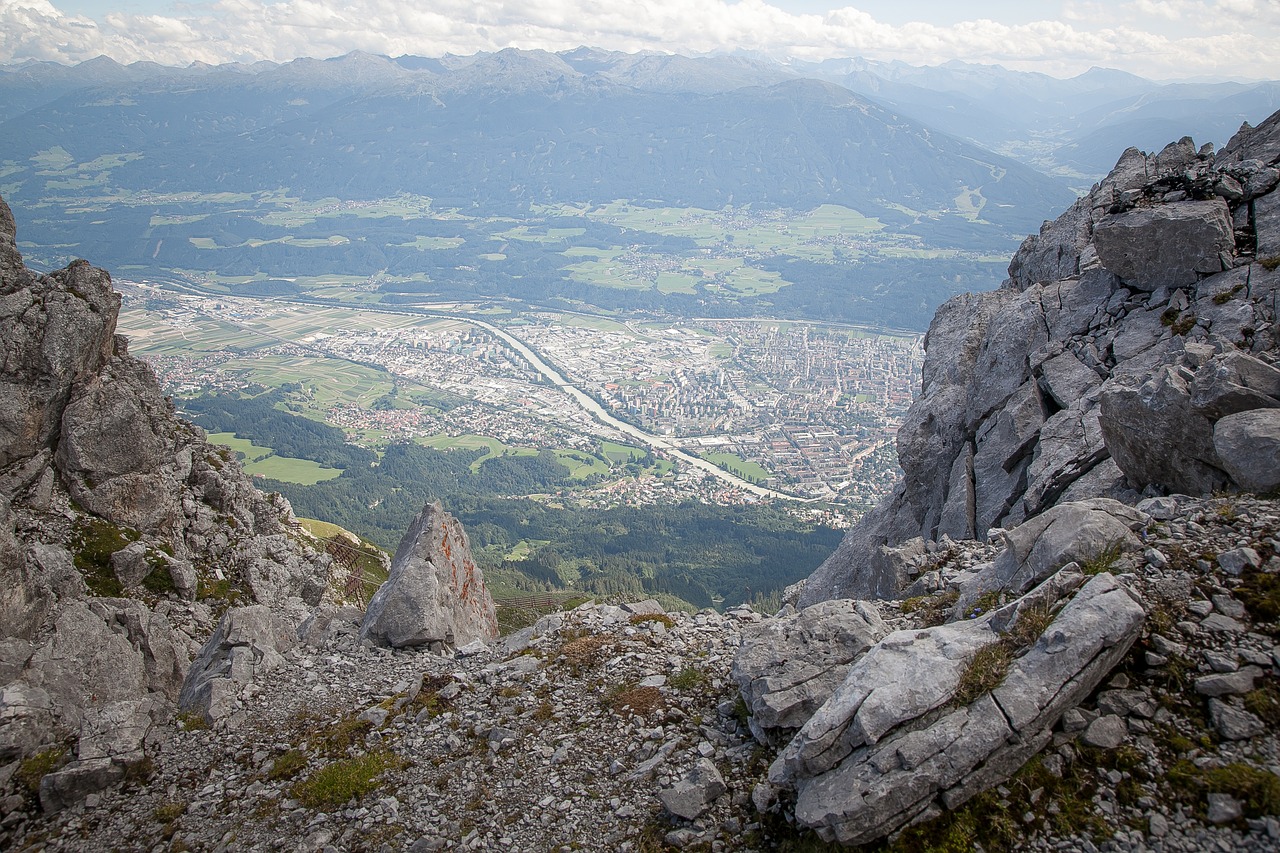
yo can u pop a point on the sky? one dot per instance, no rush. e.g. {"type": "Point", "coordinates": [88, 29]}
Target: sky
{"type": "Point", "coordinates": [1158, 39]}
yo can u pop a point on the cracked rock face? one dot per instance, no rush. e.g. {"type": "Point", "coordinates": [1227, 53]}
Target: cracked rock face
{"type": "Point", "coordinates": [888, 746]}
{"type": "Point", "coordinates": [92, 452]}
{"type": "Point", "coordinates": [788, 667]}
{"type": "Point", "coordinates": [1165, 246]}
{"type": "Point", "coordinates": [246, 645]}
{"type": "Point", "coordinates": [1127, 330]}
{"type": "Point", "coordinates": [435, 593]}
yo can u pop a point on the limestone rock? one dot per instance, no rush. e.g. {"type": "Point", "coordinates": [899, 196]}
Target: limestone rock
{"type": "Point", "coordinates": [115, 731]}
{"type": "Point", "coordinates": [435, 593]}
{"type": "Point", "coordinates": [130, 564]}
{"type": "Point", "coordinates": [114, 441]}
{"type": "Point", "coordinates": [26, 720]}
{"type": "Point", "coordinates": [1234, 723]}
{"type": "Point", "coordinates": [878, 754]}
{"type": "Point", "coordinates": [693, 792]}
{"type": "Point", "coordinates": [1223, 808]}
{"type": "Point", "coordinates": [1106, 732]}
{"type": "Point", "coordinates": [329, 621]}
{"type": "Point", "coordinates": [55, 330]}
{"type": "Point", "coordinates": [87, 665]}
{"type": "Point", "coordinates": [1228, 683]}
{"type": "Point", "coordinates": [79, 779]}
{"type": "Point", "coordinates": [1235, 382]}
{"type": "Point", "coordinates": [1071, 532]}
{"type": "Point", "coordinates": [1248, 446]}
{"type": "Point", "coordinates": [1156, 436]}
{"type": "Point", "coordinates": [863, 565]}
{"type": "Point", "coordinates": [787, 668]}
{"type": "Point", "coordinates": [24, 599]}
{"type": "Point", "coordinates": [1165, 246]}
{"type": "Point", "coordinates": [246, 645]}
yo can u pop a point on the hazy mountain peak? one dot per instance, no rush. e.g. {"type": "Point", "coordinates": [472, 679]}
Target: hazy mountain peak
{"type": "Point", "coordinates": [99, 63]}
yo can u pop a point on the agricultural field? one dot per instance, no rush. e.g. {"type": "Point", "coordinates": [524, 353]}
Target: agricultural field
{"type": "Point", "coordinates": [259, 461]}
{"type": "Point", "coordinates": [828, 263]}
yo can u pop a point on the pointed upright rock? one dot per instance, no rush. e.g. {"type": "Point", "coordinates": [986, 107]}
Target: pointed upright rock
{"type": "Point", "coordinates": [436, 592]}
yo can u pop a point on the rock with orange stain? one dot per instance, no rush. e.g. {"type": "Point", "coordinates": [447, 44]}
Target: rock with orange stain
{"type": "Point", "coordinates": [436, 593]}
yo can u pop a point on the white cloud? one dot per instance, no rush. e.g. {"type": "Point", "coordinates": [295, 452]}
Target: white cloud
{"type": "Point", "coordinates": [1156, 38]}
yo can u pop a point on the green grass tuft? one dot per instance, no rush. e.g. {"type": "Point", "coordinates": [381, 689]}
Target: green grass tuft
{"type": "Point", "coordinates": [169, 812]}
{"type": "Point", "coordinates": [1105, 560]}
{"type": "Point", "coordinates": [933, 609]}
{"type": "Point", "coordinates": [1260, 593]}
{"type": "Point", "coordinates": [287, 765]}
{"type": "Point", "coordinates": [642, 618]}
{"type": "Point", "coordinates": [35, 768]}
{"type": "Point", "coordinates": [335, 784]}
{"type": "Point", "coordinates": [986, 669]}
{"type": "Point", "coordinates": [93, 542]}
{"type": "Point", "coordinates": [689, 678]}
{"type": "Point", "coordinates": [1032, 621]}
{"type": "Point", "coordinates": [1264, 703]}
{"type": "Point", "coordinates": [1259, 790]}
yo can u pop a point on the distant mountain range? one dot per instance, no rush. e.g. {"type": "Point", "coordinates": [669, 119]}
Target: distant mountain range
{"type": "Point", "coordinates": [497, 132]}
{"type": "Point", "coordinates": [150, 167]}
{"type": "Point", "coordinates": [1072, 128]}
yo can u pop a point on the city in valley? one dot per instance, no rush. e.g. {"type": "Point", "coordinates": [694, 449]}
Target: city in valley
{"type": "Point", "coordinates": [635, 408]}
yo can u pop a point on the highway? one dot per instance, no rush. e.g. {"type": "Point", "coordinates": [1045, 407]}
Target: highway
{"type": "Point", "coordinates": [603, 415]}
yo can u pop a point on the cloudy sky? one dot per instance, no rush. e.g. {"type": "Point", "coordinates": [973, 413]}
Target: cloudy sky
{"type": "Point", "coordinates": [1162, 39]}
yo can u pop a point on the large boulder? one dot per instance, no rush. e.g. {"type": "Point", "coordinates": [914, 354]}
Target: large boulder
{"type": "Point", "coordinates": [106, 650]}
{"type": "Point", "coordinates": [110, 742]}
{"type": "Point", "coordinates": [1170, 245]}
{"type": "Point", "coordinates": [435, 594]}
{"type": "Point", "coordinates": [786, 668]}
{"type": "Point", "coordinates": [891, 744]}
{"type": "Point", "coordinates": [1248, 443]}
{"type": "Point", "coordinates": [115, 439]}
{"type": "Point", "coordinates": [1235, 382]}
{"type": "Point", "coordinates": [1157, 436]}
{"type": "Point", "coordinates": [247, 645]}
{"type": "Point", "coordinates": [1075, 532]}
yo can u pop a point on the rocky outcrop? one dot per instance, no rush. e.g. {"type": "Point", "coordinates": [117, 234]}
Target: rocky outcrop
{"type": "Point", "coordinates": [932, 714]}
{"type": "Point", "coordinates": [1077, 532]}
{"type": "Point", "coordinates": [1248, 443]}
{"type": "Point", "coordinates": [81, 420]}
{"type": "Point", "coordinates": [789, 666]}
{"type": "Point", "coordinates": [435, 594]}
{"type": "Point", "coordinates": [1132, 352]}
{"type": "Point", "coordinates": [1127, 330]}
{"type": "Point", "coordinates": [879, 754]}
{"type": "Point", "coordinates": [110, 744]}
{"type": "Point", "coordinates": [1168, 245]}
{"type": "Point", "coordinates": [246, 645]}
{"type": "Point", "coordinates": [106, 492]}
{"type": "Point", "coordinates": [58, 330]}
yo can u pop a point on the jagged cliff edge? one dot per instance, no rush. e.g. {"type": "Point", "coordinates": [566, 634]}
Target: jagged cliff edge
{"type": "Point", "coordinates": [1130, 355]}
{"type": "Point", "coordinates": [1131, 350]}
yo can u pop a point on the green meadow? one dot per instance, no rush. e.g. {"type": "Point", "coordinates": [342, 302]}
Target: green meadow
{"type": "Point", "coordinates": [263, 462]}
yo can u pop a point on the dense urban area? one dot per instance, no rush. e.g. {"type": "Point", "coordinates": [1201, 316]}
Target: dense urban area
{"type": "Point", "coordinates": [804, 409]}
